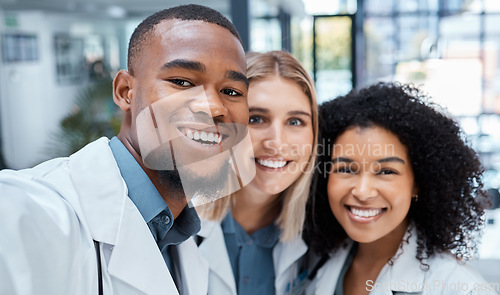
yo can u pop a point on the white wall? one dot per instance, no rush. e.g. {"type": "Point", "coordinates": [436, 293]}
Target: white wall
{"type": "Point", "coordinates": [29, 107]}
{"type": "Point", "coordinates": [32, 102]}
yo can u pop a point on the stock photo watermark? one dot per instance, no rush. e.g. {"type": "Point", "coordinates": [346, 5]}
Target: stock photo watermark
{"type": "Point", "coordinates": [327, 148]}
{"type": "Point", "coordinates": [431, 286]}
{"type": "Point", "coordinates": [332, 151]}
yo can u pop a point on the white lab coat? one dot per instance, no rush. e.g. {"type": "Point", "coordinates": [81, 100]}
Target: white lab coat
{"type": "Point", "coordinates": [445, 276]}
{"type": "Point", "coordinates": [49, 216]}
{"type": "Point", "coordinates": [221, 277]}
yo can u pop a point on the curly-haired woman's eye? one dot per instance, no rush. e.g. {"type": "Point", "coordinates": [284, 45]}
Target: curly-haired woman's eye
{"type": "Point", "coordinates": [344, 169]}
{"type": "Point", "coordinates": [388, 172]}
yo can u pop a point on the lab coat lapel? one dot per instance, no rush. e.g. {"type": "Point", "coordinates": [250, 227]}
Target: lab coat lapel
{"type": "Point", "coordinates": [213, 248]}
{"type": "Point", "coordinates": [193, 265]}
{"type": "Point", "coordinates": [405, 274]}
{"type": "Point", "coordinates": [100, 189]}
{"type": "Point", "coordinates": [136, 258]}
{"type": "Point", "coordinates": [113, 219]}
{"type": "Point", "coordinates": [284, 255]}
{"type": "Point", "coordinates": [326, 278]}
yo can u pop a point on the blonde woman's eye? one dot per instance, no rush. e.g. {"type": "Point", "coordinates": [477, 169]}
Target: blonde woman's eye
{"type": "Point", "coordinates": [255, 120]}
{"type": "Point", "coordinates": [295, 122]}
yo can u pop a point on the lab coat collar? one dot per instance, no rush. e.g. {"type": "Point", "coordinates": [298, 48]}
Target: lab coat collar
{"type": "Point", "coordinates": [284, 255]}
{"type": "Point", "coordinates": [327, 276]}
{"type": "Point", "coordinates": [100, 188]}
{"type": "Point", "coordinates": [193, 263]}
{"type": "Point", "coordinates": [287, 253]}
{"type": "Point", "coordinates": [405, 275]}
{"type": "Point", "coordinates": [220, 265]}
{"type": "Point", "coordinates": [113, 219]}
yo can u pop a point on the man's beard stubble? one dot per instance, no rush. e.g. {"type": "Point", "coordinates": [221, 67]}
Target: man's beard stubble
{"type": "Point", "coordinates": [209, 186]}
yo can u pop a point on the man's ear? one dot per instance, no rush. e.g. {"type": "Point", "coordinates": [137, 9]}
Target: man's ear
{"type": "Point", "coordinates": [122, 90]}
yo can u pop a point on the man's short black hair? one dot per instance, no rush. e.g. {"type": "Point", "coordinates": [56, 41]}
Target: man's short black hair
{"type": "Point", "coordinates": [183, 12]}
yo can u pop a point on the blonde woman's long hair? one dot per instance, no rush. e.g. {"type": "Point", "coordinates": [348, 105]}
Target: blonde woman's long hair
{"type": "Point", "coordinates": [291, 218]}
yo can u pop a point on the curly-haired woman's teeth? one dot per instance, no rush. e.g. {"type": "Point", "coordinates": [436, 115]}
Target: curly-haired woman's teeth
{"type": "Point", "coordinates": [366, 212]}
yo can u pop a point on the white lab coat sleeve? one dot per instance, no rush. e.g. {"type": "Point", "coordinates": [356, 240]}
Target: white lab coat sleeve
{"type": "Point", "coordinates": [39, 235]}
{"type": "Point", "coordinates": [449, 277]}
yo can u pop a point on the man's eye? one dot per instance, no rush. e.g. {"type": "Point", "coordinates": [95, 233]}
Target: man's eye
{"type": "Point", "coordinates": [181, 82]}
{"type": "Point", "coordinates": [230, 92]}
{"type": "Point", "coordinates": [255, 120]}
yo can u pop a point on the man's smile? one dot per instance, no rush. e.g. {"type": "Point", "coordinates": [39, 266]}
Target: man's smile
{"type": "Point", "coordinates": [200, 136]}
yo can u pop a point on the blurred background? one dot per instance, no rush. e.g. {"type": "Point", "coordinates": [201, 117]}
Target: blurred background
{"type": "Point", "coordinates": [58, 58]}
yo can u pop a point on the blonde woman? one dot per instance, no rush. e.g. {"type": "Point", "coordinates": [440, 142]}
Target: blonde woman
{"type": "Point", "coordinates": [252, 239]}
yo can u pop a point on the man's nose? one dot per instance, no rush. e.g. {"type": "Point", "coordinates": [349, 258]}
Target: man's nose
{"type": "Point", "coordinates": [211, 103]}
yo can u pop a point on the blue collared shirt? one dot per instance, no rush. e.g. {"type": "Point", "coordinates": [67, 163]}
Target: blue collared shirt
{"type": "Point", "coordinates": [153, 208]}
{"type": "Point", "coordinates": [251, 256]}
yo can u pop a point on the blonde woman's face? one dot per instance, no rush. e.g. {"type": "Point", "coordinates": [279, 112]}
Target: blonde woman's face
{"type": "Point", "coordinates": [281, 129]}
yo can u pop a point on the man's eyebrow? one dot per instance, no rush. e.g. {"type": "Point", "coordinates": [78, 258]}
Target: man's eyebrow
{"type": "Point", "coordinates": [237, 76]}
{"type": "Point", "coordinates": [185, 64]}
{"type": "Point", "coordinates": [391, 159]}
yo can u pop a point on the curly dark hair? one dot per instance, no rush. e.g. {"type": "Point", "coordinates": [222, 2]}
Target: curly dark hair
{"type": "Point", "coordinates": [448, 214]}
{"type": "Point", "coordinates": [182, 12]}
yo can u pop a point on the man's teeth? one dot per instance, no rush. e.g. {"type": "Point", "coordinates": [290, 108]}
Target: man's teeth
{"type": "Point", "coordinates": [203, 136]}
{"type": "Point", "coordinates": [366, 213]}
{"type": "Point", "coordinates": [272, 164]}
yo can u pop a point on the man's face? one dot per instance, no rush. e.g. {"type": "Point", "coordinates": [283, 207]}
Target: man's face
{"type": "Point", "coordinates": [189, 99]}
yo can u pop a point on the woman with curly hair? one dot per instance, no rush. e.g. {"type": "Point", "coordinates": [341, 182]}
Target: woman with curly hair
{"type": "Point", "coordinates": [398, 201]}
{"type": "Point", "coordinates": [252, 239]}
